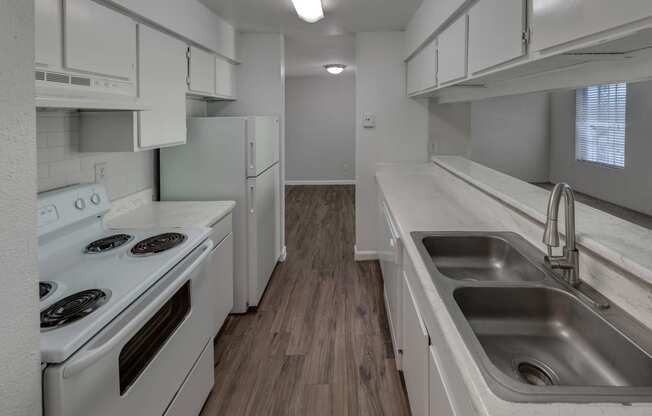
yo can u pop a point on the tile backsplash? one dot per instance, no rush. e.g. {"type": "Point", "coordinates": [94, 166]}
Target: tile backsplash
{"type": "Point", "coordinates": [60, 162]}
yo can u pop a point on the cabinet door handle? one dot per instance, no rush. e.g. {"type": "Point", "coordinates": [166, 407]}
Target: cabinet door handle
{"type": "Point", "coordinates": [251, 155]}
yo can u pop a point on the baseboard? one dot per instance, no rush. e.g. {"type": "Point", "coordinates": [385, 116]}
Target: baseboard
{"type": "Point", "coordinates": [284, 254]}
{"type": "Point", "coordinates": [364, 255]}
{"type": "Point", "coordinates": [324, 182]}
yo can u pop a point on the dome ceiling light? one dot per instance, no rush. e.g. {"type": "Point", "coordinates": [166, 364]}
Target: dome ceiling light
{"type": "Point", "coordinates": [335, 69]}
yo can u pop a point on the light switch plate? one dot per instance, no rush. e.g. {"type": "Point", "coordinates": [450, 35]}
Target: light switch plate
{"type": "Point", "coordinates": [368, 120]}
{"type": "Point", "coordinates": [101, 173]}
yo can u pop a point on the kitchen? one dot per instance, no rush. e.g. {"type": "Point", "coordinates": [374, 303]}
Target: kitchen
{"type": "Point", "coordinates": [307, 207]}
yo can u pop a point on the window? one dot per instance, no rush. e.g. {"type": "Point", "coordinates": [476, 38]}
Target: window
{"type": "Point", "coordinates": [600, 124]}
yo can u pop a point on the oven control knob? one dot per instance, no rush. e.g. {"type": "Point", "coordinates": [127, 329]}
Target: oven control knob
{"type": "Point", "coordinates": [96, 199]}
{"type": "Point", "coordinates": [80, 204]}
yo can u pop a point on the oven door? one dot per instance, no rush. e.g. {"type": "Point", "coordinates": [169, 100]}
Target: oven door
{"type": "Point", "coordinates": [136, 365]}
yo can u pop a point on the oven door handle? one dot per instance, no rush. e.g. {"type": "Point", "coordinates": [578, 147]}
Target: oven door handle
{"type": "Point", "coordinates": [89, 357]}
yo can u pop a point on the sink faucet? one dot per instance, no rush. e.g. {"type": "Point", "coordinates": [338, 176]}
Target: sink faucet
{"type": "Point", "coordinates": [569, 261]}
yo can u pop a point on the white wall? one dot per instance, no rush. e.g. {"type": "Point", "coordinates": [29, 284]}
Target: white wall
{"type": "Point", "coordinates": [20, 388]}
{"type": "Point", "coordinates": [509, 134]}
{"type": "Point", "coordinates": [60, 162]}
{"type": "Point", "coordinates": [401, 132]}
{"type": "Point", "coordinates": [320, 128]}
{"type": "Point", "coordinates": [630, 187]}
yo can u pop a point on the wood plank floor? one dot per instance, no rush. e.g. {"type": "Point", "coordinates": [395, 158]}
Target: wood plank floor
{"type": "Point", "coordinates": [319, 342]}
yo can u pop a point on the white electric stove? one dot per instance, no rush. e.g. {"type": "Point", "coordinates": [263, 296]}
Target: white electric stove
{"type": "Point", "coordinates": [125, 313]}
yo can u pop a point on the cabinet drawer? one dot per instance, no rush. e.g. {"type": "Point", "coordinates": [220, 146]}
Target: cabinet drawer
{"type": "Point", "coordinates": [221, 229]}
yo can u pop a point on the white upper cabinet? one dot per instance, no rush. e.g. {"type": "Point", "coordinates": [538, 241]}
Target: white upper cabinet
{"type": "Point", "coordinates": [201, 72]}
{"type": "Point", "coordinates": [224, 78]}
{"type": "Point", "coordinates": [495, 33]}
{"type": "Point", "coordinates": [422, 69]}
{"type": "Point", "coordinates": [48, 33]}
{"type": "Point", "coordinates": [557, 22]}
{"type": "Point", "coordinates": [99, 40]}
{"type": "Point", "coordinates": [430, 16]}
{"type": "Point", "coordinates": [162, 89]}
{"type": "Point", "coordinates": [452, 52]}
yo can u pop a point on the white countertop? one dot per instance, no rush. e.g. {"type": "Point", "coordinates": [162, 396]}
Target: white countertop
{"type": "Point", "coordinates": [173, 214]}
{"type": "Point", "coordinates": [419, 199]}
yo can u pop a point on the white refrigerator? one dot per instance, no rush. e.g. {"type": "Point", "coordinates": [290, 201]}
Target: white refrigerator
{"type": "Point", "coordinates": [234, 158]}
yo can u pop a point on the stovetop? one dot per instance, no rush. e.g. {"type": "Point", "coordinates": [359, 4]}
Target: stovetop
{"type": "Point", "coordinates": [101, 284]}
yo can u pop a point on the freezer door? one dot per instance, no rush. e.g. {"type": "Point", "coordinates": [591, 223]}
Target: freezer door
{"type": "Point", "coordinates": [263, 213]}
{"type": "Point", "coordinates": [263, 134]}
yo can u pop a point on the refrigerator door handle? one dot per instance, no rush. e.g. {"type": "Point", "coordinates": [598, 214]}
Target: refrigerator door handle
{"type": "Point", "coordinates": [251, 158]}
{"type": "Point", "coordinates": [252, 201]}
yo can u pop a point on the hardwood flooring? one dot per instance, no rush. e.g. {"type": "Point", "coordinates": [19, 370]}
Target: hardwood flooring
{"type": "Point", "coordinates": [318, 343]}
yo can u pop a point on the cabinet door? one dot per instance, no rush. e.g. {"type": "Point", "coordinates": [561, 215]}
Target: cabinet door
{"type": "Point", "coordinates": [221, 269]}
{"type": "Point", "coordinates": [415, 353]}
{"type": "Point", "coordinates": [439, 402]}
{"type": "Point", "coordinates": [162, 88]}
{"type": "Point", "coordinates": [201, 76]}
{"type": "Point", "coordinates": [495, 33]}
{"type": "Point", "coordinates": [48, 33]}
{"type": "Point", "coordinates": [452, 52]}
{"type": "Point", "coordinates": [422, 69]}
{"type": "Point", "coordinates": [558, 22]}
{"type": "Point", "coordinates": [224, 78]}
{"type": "Point", "coordinates": [99, 40]}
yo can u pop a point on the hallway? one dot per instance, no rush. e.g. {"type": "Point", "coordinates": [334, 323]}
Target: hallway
{"type": "Point", "coordinates": [319, 342]}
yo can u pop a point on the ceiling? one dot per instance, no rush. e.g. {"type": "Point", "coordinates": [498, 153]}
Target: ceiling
{"type": "Point", "coordinates": [310, 46]}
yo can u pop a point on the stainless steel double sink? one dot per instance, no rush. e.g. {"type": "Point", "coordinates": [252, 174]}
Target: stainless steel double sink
{"type": "Point", "coordinates": [534, 340]}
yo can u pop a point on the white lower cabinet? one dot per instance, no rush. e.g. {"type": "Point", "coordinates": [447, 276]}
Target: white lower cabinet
{"type": "Point", "coordinates": [415, 353]}
{"type": "Point", "coordinates": [439, 402]}
{"type": "Point", "coordinates": [220, 269]}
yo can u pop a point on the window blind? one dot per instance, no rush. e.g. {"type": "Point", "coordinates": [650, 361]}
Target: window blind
{"type": "Point", "coordinates": [600, 124]}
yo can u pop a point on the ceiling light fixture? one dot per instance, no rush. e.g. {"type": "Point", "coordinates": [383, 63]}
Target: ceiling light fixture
{"type": "Point", "coordinates": [335, 69]}
{"type": "Point", "coordinates": [309, 10]}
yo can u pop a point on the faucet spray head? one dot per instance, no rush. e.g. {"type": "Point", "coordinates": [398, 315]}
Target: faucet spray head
{"type": "Point", "coordinates": [551, 233]}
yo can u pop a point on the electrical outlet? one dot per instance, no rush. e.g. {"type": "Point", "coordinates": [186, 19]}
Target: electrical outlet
{"type": "Point", "coordinates": [101, 173]}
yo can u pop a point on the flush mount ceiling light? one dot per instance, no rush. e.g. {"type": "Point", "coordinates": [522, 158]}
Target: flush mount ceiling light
{"type": "Point", "coordinates": [335, 69]}
{"type": "Point", "coordinates": [309, 10]}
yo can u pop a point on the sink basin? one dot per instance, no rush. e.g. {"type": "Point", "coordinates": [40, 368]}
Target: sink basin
{"type": "Point", "coordinates": [545, 337]}
{"type": "Point", "coordinates": [534, 339]}
{"type": "Point", "coordinates": [480, 258]}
